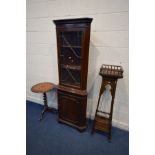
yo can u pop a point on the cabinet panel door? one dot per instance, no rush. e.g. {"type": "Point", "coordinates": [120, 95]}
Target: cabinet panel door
{"type": "Point", "coordinates": [69, 108]}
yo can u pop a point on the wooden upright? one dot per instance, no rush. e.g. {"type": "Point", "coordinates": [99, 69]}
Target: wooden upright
{"type": "Point", "coordinates": [103, 120]}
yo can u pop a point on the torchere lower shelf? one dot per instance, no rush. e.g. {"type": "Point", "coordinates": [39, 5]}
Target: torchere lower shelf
{"type": "Point", "coordinates": [102, 123]}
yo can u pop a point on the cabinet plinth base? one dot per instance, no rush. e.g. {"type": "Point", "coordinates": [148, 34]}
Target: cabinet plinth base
{"type": "Point", "coordinates": [79, 128]}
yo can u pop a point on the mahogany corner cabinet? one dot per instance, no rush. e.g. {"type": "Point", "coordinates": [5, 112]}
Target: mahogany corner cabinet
{"type": "Point", "coordinates": [73, 37]}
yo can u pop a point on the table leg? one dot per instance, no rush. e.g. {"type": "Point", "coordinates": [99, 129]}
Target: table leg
{"type": "Point", "coordinates": [46, 108]}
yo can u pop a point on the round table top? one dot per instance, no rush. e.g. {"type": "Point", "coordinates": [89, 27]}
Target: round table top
{"type": "Point", "coordinates": [42, 87]}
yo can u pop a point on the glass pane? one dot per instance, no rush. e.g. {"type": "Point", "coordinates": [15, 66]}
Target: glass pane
{"type": "Point", "coordinates": [70, 76]}
{"type": "Point", "coordinates": [70, 47]}
{"type": "Point", "coordinates": [71, 38]}
{"type": "Point", "coordinates": [70, 56]}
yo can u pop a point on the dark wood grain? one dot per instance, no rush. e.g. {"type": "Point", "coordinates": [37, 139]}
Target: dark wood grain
{"type": "Point", "coordinates": [73, 53]}
{"type": "Point", "coordinates": [103, 120]}
{"type": "Point", "coordinates": [72, 109]}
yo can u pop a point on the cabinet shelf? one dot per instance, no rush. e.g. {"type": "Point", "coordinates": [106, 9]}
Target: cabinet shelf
{"type": "Point", "coordinates": [73, 67]}
{"type": "Point", "coordinates": [71, 46]}
{"type": "Point", "coordinates": [71, 84]}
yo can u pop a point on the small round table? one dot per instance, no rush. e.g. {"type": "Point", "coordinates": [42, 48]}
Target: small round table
{"type": "Point", "coordinates": [43, 87]}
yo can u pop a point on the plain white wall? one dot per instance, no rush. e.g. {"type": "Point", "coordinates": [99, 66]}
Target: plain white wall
{"type": "Point", "coordinates": [108, 45]}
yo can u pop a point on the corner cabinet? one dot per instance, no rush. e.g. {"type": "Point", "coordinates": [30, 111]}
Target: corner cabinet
{"type": "Point", "coordinates": [73, 37]}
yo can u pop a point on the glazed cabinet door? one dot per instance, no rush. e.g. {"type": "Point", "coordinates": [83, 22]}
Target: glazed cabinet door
{"type": "Point", "coordinates": [70, 56]}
